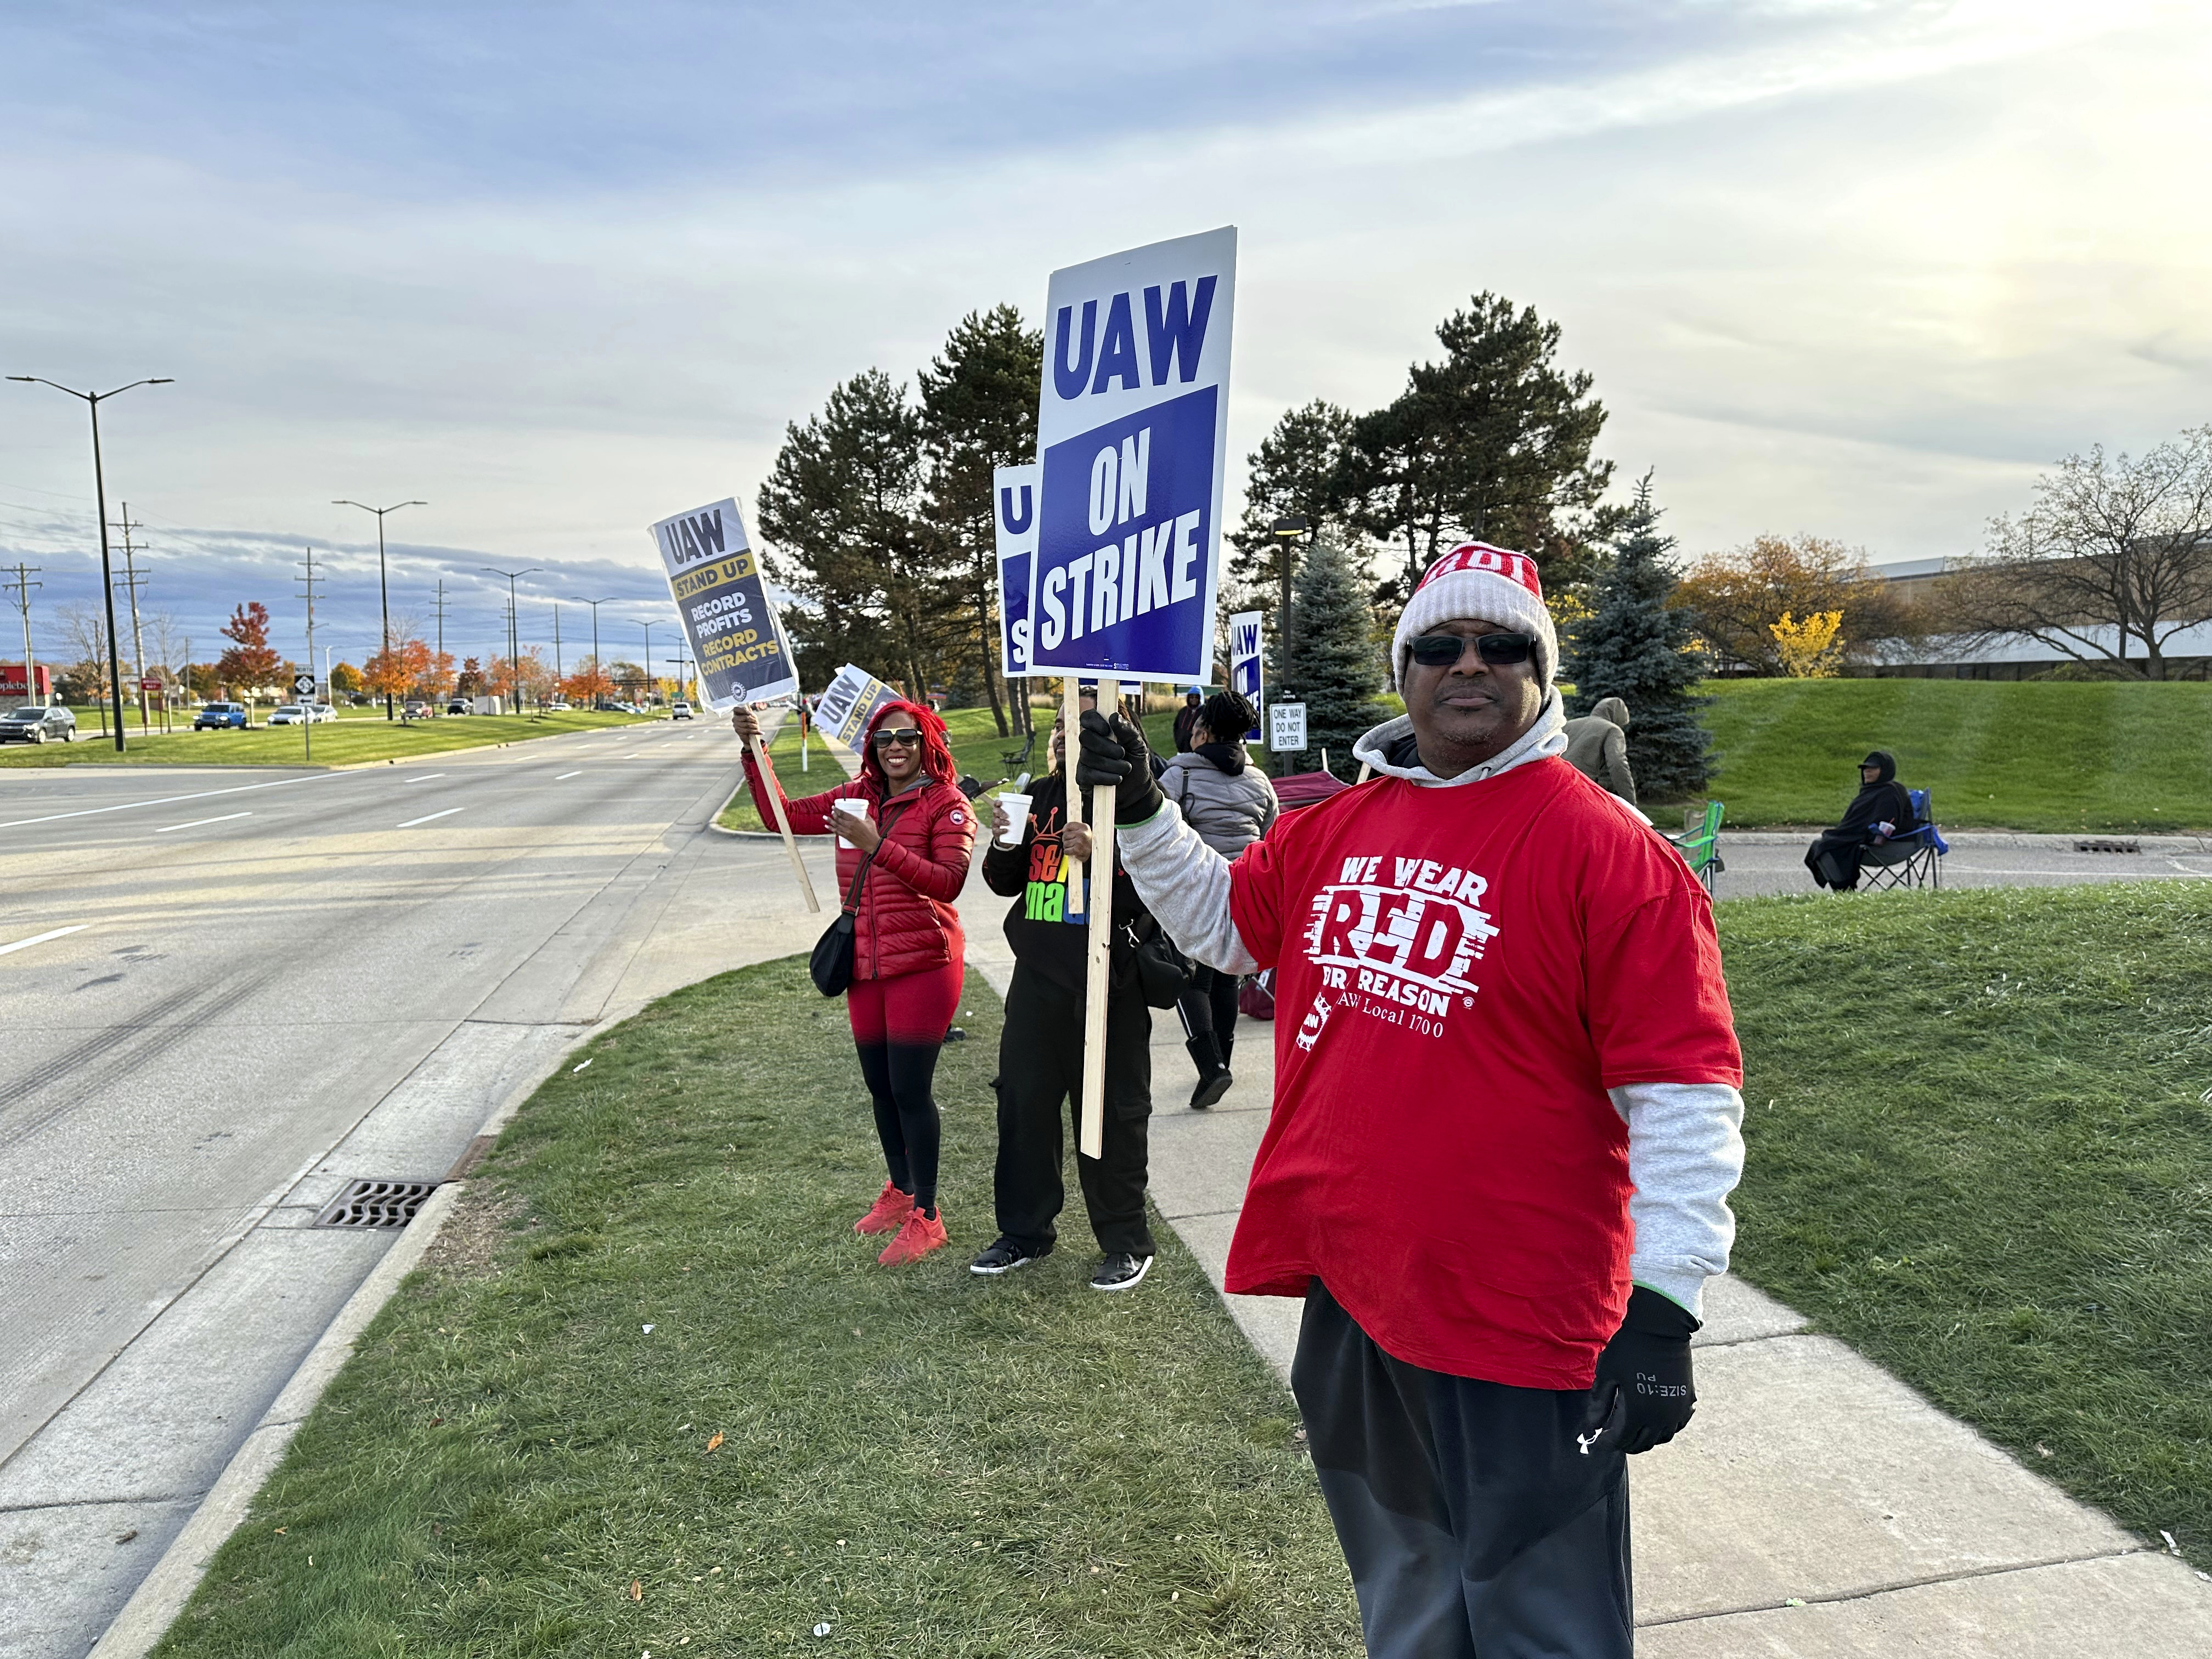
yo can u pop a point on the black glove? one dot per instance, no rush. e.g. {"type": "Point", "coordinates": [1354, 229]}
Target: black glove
{"type": "Point", "coordinates": [1644, 1396]}
{"type": "Point", "coordinates": [1114, 757]}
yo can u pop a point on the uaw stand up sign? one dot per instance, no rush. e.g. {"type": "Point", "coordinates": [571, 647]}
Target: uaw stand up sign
{"type": "Point", "coordinates": [1132, 426]}
{"type": "Point", "coordinates": [739, 646]}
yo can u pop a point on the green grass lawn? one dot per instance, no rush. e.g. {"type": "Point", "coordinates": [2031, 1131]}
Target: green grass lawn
{"type": "Point", "coordinates": [2049, 757]}
{"type": "Point", "coordinates": [1981, 1152]}
{"type": "Point", "coordinates": [337, 742]}
{"type": "Point", "coordinates": [927, 1463]}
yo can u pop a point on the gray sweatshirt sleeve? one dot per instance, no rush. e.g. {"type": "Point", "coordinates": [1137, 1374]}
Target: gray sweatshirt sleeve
{"type": "Point", "coordinates": [1686, 1156]}
{"type": "Point", "coordinates": [1185, 885]}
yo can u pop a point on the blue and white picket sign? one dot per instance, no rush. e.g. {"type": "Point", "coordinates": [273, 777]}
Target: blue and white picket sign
{"type": "Point", "coordinates": [1131, 439]}
{"type": "Point", "coordinates": [1244, 636]}
{"type": "Point", "coordinates": [742, 652]}
{"type": "Point", "coordinates": [1014, 492]}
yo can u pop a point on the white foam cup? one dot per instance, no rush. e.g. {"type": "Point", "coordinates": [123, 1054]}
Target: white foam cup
{"type": "Point", "coordinates": [1017, 818]}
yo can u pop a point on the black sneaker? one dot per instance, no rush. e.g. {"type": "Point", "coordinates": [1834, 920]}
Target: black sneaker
{"type": "Point", "coordinates": [1004, 1257]}
{"type": "Point", "coordinates": [1120, 1271]}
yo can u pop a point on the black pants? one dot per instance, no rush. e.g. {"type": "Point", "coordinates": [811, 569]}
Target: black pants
{"type": "Point", "coordinates": [1041, 1066]}
{"type": "Point", "coordinates": [901, 1076]}
{"type": "Point", "coordinates": [1834, 860]}
{"type": "Point", "coordinates": [1473, 1523]}
{"type": "Point", "coordinates": [1209, 1008]}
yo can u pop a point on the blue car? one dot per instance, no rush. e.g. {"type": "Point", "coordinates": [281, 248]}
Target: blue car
{"type": "Point", "coordinates": [218, 716]}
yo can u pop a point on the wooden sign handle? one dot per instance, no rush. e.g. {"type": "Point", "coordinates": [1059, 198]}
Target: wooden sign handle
{"type": "Point", "coordinates": [783, 822]}
{"type": "Point", "coordinates": [1098, 977]}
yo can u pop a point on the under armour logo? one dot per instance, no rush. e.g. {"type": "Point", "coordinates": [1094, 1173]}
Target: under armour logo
{"type": "Point", "coordinates": [1586, 1441]}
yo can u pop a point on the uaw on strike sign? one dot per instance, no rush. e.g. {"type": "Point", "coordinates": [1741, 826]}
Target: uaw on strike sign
{"type": "Point", "coordinates": [1013, 495]}
{"type": "Point", "coordinates": [1132, 424]}
{"type": "Point", "coordinates": [742, 653]}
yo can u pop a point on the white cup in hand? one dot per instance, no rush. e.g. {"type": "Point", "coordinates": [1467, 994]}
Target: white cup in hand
{"type": "Point", "coordinates": [1016, 809]}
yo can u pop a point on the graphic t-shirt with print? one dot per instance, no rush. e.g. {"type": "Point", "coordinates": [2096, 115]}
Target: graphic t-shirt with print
{"type": "Point", "coordinates": [1037, 873]}
{"type": "Point", "coordinates": [1460, 974]}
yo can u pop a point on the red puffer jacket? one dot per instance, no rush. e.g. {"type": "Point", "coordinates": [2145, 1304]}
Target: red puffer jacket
{"type": "Point", "coordinates": [904, 921]}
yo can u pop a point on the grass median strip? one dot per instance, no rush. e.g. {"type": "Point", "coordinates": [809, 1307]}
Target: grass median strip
{"type": "Point", "coordinates": [652, 1393]}
{"type": "Point", "coordinates": [1981, 1152]}
{"type": "Point", "coordinates": [337, 742]}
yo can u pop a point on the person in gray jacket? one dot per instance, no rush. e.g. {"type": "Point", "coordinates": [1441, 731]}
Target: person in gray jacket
{"type": "Point", "coordinates": [1230, 804]}
{"type": "Point", "coordinates": [1597, 747]}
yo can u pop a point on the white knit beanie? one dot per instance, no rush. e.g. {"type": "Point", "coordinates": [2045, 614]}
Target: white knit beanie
{"type": "Point", "coordinates": [1477, 583]}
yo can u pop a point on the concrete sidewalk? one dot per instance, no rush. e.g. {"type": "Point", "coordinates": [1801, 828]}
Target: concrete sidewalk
{"type": "Point", "coordinates": [1816, 1508]}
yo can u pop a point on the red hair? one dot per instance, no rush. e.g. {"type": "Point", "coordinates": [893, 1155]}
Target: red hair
{"type": "Point", "coordinates": [936, 753]}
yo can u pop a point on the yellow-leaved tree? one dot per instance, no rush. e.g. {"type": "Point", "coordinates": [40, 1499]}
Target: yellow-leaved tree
{"type": "Point", "coordinates": [1809, 649]}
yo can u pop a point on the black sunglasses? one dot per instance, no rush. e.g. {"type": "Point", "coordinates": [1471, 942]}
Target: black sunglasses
{"type": "Point", "coordinates": [903, 734]}
{"type": "Point", "coordinates": [1442, 650]}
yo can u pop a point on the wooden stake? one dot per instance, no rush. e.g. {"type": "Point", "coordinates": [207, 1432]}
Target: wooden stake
{"type": "Point", "coordinates": [783, 822]}
{"type": "Point", "coordinates": [1366, 771]}
{"type": "Point", "coordinates": [1098, 981]}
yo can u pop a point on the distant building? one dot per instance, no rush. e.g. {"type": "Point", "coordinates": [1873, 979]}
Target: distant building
{"type": "Point", "coordinates": [2188, 652]}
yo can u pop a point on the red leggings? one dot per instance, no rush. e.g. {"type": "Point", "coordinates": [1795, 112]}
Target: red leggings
{"type": "Point", "coordinates": [899, 1025]}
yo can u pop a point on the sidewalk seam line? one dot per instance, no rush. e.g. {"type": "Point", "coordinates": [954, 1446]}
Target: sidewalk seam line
{"type": "Point", "coordinates": [1872, 1591]}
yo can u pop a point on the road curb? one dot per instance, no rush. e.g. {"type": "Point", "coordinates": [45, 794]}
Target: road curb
{"type": "Point", "coordinates": [162, 1594]}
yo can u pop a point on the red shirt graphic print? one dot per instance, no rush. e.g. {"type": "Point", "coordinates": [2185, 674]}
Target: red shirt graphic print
{"type": "Point", "coordinates": [1461, 973]}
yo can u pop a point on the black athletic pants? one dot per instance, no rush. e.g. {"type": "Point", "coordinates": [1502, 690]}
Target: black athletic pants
{"type": "Point", "coordinates": [1473, 1523]}
{"type": "Point", "coordinates": [1209, 1008]}
{"type": "Point", "coordinates": [1040, 1066]}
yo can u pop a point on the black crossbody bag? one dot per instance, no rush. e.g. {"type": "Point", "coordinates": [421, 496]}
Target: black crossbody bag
{"type": "Point", "coordinates": [830, 965]}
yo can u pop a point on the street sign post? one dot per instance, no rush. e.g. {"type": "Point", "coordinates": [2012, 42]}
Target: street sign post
{"type": "Point", "coordinates": [1132, 438]}
{"type": "Point", "coordinates": [303, 693]}
{"type": "Point", "coordinates": [1286, 728]}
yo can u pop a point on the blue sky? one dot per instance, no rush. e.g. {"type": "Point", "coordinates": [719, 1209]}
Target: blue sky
{"type": "Point", "coordinates": [1855, 267]}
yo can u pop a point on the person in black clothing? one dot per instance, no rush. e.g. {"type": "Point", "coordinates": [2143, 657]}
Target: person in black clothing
{"type": "Point", "coordinates": [1881, 809]}
{"type": "Point", "coordinates": [1041, 1051]}
{"type": "Point", "coordinates": [1186, 720]}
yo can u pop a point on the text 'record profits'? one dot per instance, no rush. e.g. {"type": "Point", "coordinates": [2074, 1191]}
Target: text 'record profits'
{"type": "Point", "coordinates": [739, 644]}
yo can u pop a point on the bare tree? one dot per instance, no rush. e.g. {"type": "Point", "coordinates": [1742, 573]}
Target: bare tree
{"type": "Point", "coordinates": [2112, 560]}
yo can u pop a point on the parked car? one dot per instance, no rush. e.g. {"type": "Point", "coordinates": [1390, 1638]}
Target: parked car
{"type": "Point", "coordinates": [221, 716]}
{"type": "Point", "coordinates": [458, 706]}
{"type": "Point", "coordinates": [33, 723]}
{"type": "Point", "coordinates": [297, 714]}
{"type": "Point", "coordinates": [415, 709]}
{"type": "Point", "coordinates": [679, 710]}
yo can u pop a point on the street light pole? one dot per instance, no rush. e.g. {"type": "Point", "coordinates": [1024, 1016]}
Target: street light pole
{"type": "Point", "coordinates": [514, 639]}
{"type": "Point", "coordinates": [598, 669]}
{"type": "Point", "coordinates": [383, 587]}
{"type": "Point", "coordinates": [647, 626]}
{"type": "Point", "coordinates": [93, 401]}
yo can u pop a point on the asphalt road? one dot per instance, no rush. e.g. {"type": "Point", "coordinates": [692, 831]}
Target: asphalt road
{"type": "Point", "coordinates": [1774, 862]}
{"type": "Point", "coordinates": [226, 994]}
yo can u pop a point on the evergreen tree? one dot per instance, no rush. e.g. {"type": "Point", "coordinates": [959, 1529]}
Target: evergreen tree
{"type": "Point", "coordinates": [1334, 667]}
{"type": "Point", "coordinates": [1634, 646]}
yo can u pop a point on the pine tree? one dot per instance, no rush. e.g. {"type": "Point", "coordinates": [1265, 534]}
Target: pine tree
{"type": "Point", "coordinates": [1334, 667]}
{"type": "Point", "coordinates": [1633, 647]}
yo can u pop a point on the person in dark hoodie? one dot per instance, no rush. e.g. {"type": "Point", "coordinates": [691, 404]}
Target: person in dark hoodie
{"type": "Point", "coordinates": [1597, 747]}
{"type": "Point", "coordinates": [1231, 803]}
{"type": "Point", "coordinates": [1880, 810]}
{"type": "Point", "coordinates": [1041, 1045]}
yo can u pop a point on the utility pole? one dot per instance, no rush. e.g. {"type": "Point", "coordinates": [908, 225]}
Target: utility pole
{"type": "Point", "coordinates": [647, 626]}
{"type": "Point", "coordinates": [132, 580]}
{"type": "Point", "coordinates": [309, 583]}
{"type": "Point", "coordinates": [556, 643]}
{"type": "Point", "coordinates": [513, 641]}
{"type": "Point", "coordinates": [383, 586]}
{"type": "Point", "coordinates": [93, 401]}
{"type": "Point", "coordinates": [23, 585]}
{"type": "Point", "coordinates": [598, 665]}
{"type": "Point", "coordinates": [437, 662]}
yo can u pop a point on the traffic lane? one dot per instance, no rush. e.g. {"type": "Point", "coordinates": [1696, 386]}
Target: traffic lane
{"type": "Point", "coordinates": [149, 1131]}
{"type": "Point", "coordinates": [1756, 869]}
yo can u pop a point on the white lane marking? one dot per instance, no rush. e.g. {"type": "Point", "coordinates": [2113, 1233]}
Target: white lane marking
{"type": "Point", "coordinates": [426, 777]}
{"type": "Point", "coordinates": [195, 822]}
{"type": "Point", "coordinates": [428, 818]}
{"type": "Point", "coordinates": [171, 801]}
{"type": "Point", "coordinates": [40, 938]}
{"type": "Point", "coordinates": [565, 775]}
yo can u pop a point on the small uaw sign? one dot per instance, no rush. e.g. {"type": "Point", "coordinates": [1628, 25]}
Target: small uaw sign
{"type": "Point", "coordinates": [1286, 727]}
{"type": "Point", "coordinates": [850, 703]}
{"type": "Point", "coordinates": [742, 653]}
{"type": "Point", "coordinates": [1013, 493]}
{"type": "Point", "coordinates": [1244, 658]}
{"type": "Point", "coordinates": [1132, 432]}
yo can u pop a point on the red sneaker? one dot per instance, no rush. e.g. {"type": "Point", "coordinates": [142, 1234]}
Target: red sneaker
{"type": "Point", "coordinates": [920, 1235]}
{"type": "Point", "coordinates": [889, 1213]}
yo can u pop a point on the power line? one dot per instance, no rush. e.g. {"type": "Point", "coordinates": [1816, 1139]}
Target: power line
{"type": "Point", "coordinates": [131, 581]}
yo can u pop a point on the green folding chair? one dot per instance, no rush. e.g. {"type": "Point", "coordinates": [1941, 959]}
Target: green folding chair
{"type": "Point", "coordinates": [1701, 847]}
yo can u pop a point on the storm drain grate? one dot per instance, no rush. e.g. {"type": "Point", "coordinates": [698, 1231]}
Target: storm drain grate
{"type": "Point", "coordinates": [376, 1204]}
{"type": "Point", "coordinates": [2107, 844]}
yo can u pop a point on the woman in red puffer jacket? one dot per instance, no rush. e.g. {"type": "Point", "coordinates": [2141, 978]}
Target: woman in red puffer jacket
{"type": "Point", "coordinates": [908, 953]}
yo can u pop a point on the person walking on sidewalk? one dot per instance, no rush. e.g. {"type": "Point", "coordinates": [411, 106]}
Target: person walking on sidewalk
{"type": "Point", "coordinates": [1041, 1049]}
{"type": "Point", "coordinates": [1505, 1128]}
{"type": "Point", "coordinates": [912, 837]}
{"type": "Point", "coordinates": [1230, 803]}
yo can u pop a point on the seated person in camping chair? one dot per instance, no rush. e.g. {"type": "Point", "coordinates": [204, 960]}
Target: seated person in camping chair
{"type": "Point", "coordinates": [1882, 809]}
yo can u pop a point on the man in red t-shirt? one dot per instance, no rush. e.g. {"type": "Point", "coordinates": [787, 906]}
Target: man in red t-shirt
{"type": "Point", "coordinates": [1506, 1124]}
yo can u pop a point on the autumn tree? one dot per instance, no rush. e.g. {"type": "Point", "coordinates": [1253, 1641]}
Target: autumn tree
{"type": "Point", "coordinates": [1734, 598]}
{"type": "Point", "coordinates": [249, 665]}
{"type": "Point", "coordinates": [345, 680]}
{"type": "Point", "coordinates": [2112, 560]}
{"type": "Point", "coordinates": [400, 670]}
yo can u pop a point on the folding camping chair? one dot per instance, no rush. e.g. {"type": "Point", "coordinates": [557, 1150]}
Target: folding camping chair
{"type": "Point", "coordinates": [1912, 859]}
{"type": "Point", "coordinates": [1701, 847]}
